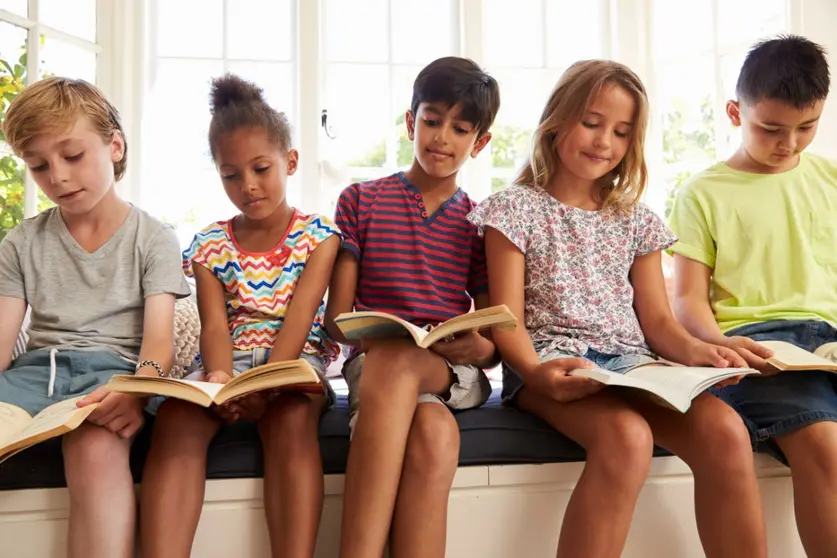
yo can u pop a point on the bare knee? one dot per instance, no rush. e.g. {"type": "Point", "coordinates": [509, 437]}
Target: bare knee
{"type": "Point", "coordinates": [183, 425]}
{"type": "Point", "coordinates": [288, 417]}
{"type": "Point", "coordinates": [719, 441]}
{"type": "Point", "coordinates": [623, 449]}
{"type": "Point", "coordinates": [814, 449]}
{"type": "Point", "coordinates": [433, 444]}
{"type": "Point", "coordinates": [93, 453]}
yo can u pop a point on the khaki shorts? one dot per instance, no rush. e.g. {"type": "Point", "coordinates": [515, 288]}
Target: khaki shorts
{"type": "Point", "coordinates": [470, 388]}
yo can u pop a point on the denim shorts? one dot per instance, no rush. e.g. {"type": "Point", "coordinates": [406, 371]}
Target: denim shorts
{"type": "Point", "coordinates": [775, 405]}
{"type": "Point", "coordinates": [244, 361]}
{"type": "Point", "coordinates": [621, 364]}
{"type": "Point", "coordinates": [43, 377]}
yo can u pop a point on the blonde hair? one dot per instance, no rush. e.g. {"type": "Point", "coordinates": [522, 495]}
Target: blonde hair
{"type": "Point", "coordinates": [620, 189]}
{"type": "Point", "coordinates": [55, 104]}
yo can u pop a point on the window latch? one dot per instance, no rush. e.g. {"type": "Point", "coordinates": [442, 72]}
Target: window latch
{"type": "Point", "coordinates": [329, 130]}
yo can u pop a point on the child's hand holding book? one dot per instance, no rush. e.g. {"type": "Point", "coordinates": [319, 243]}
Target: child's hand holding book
{"type": "Point", "coordinates": [467, 347]}
{"type": "Point", "coordinates": [552, 379]}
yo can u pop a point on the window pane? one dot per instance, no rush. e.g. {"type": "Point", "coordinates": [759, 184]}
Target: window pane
{"type": "Point", "coordinates": [408, 18]}
{"type": "Point", "coordinates": [402, 95]}
{"type": "Point", "coordinates": [687, 116]}
{"type": "Point", "coordinates": [575, 31]}
{"type": "Point", "coordinates": [260, 29]}
{"type": "Point", "coordinates": [524, 94]}
{"type": "Point", "coordinates": [179, 181]}
{"type": "Point", "coordinates": [59, 58]}
{"type": "Point", "coordinates": [277, 80]}
{"type": "Point", "coordinates": [747, 21]}
{"type": "Point", "coordinates": [360, 120]}
{"type": "Point", "coordinates": [12, 48]}
{"type": "Point", "coordinates": [730, 66]}
{"type": "Point", "coordinates": [76, 18]}
{"type": "Point", "coordinates": [682, 27]}
{"type": "Point", "coordinates": [513, 33]}
{"type": "Point", "coordinates": [19, 7]}
{"type": "Point", "coordinates": [356, 30]}
{"type": "Point", "coordinates": [189, 28]}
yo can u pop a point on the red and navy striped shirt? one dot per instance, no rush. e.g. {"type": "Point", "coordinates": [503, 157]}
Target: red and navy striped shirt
{"type": "Point", "coordinates": [423, 268]}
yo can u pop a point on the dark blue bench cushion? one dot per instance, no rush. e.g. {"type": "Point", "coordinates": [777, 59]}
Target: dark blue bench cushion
{"type": "Point", "coordinates": [492, 434]}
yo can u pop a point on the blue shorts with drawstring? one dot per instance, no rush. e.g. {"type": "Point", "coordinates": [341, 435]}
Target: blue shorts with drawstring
{"type": "Point", "coordinates": [776, 405]}
{"type": "Point", "coordinates": [43, 377]}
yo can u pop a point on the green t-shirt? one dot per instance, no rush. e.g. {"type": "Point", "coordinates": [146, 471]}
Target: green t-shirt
{"type": "Point", "coordinates": [770, 239]}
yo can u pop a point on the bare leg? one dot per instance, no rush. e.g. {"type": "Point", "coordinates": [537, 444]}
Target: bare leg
{"type": "Point", "coordinates": [421, 510]}
{"type": "Point", "coordinates": [812, 454]}
{"type": "Point", "coordinates": [293, 474]}
{"type": "Point", "coordinates": [713, 441]}
{"type": "Point", "coordinates": [102, 503]}
{"type": "Point", "coordinates": [393, 376]}
{"type": "Point", "coordinates": [174, 479]}
{"type": "Point", "coordinates": [619, 448]}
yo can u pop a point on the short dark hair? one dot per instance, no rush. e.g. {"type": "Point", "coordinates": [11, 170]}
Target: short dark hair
{"type": "Point", "coordinates": [788, 68]}
{"type": "Point", "coordinates": [236, 103]}
{"type": "Point", "coordinates": [453, 80]}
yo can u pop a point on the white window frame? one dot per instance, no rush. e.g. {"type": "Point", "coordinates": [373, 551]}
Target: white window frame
{"type": "Point", "coordinates": [627, 39]}
{"type": "Point", "coordinates": [651, 78]}
{"type": "Point", "coordinates": [102, 47]}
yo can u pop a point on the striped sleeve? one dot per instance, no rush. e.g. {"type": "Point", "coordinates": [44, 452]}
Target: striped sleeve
{"type": "Point", "coordinates": [478, 274]}
{"type": "Point", "coordinates": [345, 217]}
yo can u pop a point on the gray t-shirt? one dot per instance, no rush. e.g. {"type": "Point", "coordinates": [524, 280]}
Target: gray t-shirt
{"type": "Point", "coordinates": [82, 300]}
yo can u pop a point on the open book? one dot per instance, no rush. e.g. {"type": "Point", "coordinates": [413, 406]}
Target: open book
{"type": "Point", "coordinates": [787, 356]}
{"type": "Point", "coordinates": [288, 375]}
{"type": "Point", "coordinates": [672, 386]}
{"type": "Point", "coordinates": [380, 325]}
{"type": "Point", "coordinates": [19, 430]}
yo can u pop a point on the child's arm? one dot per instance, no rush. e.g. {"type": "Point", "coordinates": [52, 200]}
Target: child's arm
{"type": "Point", "coordinates": [157, 334]}
{"type": "Point", "coordinates": [307, 297]}
{"type": "Point", "coordinates": [13, 311]}
{"type": "Point", "coordinates": [121, 413]}
{"type": "Point", "coordinates": [506, 270]}
{"type": "Point", "coordinates": [341, 294]}
{"type": "Point", "coordinates": [12, 294]}
{"type": "Point", "coordinates": [663, 333]}
{"type": "Point", "coordinates": [344, 278]}
{"type": "Point", "coordinates": [693, 310]}
{"type": "Point", "coordinates": [215, 343]}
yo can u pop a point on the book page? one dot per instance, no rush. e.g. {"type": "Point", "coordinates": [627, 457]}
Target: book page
{"type": "Point", "coordinates": [494, 316]}
{"type": "Point", "coordinates": [374, 325]}
{"type": "Point", "coordinates": [827, 351]}
{"type": "Point", "coordinates": [787, 356]}
{"type": "Point", "coordinates": [54, 417]}
{"type": "Point", "coordinates": [669, 389]}
{"type": "Point", "coordinates": [13, 420]}
{"type": "Point", "coordinates": [209, 388]}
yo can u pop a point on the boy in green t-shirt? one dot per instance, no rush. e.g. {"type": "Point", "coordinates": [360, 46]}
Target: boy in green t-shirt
{"type": "Point", "coordinates": [757, 260]}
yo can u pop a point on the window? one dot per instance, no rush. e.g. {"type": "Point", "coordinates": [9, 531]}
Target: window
{"type": "Point", "coordinates": [699, 46]}
{"type": "Point", "coordinates": [38, 39]}
{"type": "Point", "coordinates": [372, 57]}
{"type": "Point", "coordinates": [527, 48]}
{"type": "Point", "coordinates": [255, 39]}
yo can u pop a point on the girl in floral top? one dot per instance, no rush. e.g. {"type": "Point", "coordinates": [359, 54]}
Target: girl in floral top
{"type": "Point", "coordinates": [572, 250]}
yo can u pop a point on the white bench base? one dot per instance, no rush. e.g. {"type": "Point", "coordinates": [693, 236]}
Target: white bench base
{"type": "Point", "coordinates": [495, 512]}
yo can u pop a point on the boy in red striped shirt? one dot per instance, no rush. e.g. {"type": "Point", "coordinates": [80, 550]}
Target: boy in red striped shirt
{"type": "Point", "coordinates": [409, 250]}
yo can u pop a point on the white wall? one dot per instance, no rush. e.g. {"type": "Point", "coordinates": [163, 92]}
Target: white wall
{"type": "Point", "coordinates": [817, 20]}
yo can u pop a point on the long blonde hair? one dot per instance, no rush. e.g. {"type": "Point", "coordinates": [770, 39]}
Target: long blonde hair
{"type": "Point", "coordinates": [620, 189]}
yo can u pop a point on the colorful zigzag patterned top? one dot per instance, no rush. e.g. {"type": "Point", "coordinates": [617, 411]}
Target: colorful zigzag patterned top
{"type": "Point", "coordinates": [259, 286]}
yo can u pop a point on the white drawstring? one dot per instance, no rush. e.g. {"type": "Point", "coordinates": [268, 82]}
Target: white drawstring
{"type": "Point", "coordinates": [51, 372]}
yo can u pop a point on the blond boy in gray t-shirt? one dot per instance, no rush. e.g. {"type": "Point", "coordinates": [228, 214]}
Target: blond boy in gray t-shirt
{"type": "Point", "coordinates": [100, 277]}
